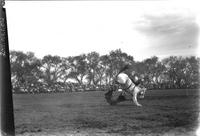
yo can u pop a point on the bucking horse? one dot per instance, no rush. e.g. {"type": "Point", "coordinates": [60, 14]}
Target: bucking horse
{"type": "Point", "coordinates": [127, 86]}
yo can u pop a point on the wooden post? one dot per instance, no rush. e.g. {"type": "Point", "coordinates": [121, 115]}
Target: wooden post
{"type": "Point", "coordinates": [7, 115]}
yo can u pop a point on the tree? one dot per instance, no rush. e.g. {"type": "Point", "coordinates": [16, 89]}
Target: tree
{"type": "Point", "coordinates": [52, 72]}
{"type": "Point", "coordinates": [93, 77]}
{"type": "Point", "coordinates": [191, 72]}
{"type": "Point", "coordinates": [25, 71]}
{"type": "Point", "coordinates": [64, 72]}
{"type": "Point", "coordinates": [148, 68]}
{"type": "Point", "coordinates": [183, 72]}
{"type": "Point", "coordinates": [78, 68]}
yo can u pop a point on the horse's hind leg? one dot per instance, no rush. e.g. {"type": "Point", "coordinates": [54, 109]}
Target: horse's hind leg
{"type": "Point", "coordinates": [108, 96]}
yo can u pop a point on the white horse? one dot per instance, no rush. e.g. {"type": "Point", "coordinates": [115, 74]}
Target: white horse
{"type": "Point", "coordinates": [127, 86]}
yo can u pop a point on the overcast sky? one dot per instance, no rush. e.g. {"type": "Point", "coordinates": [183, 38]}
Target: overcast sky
{"type": "Point", "coordinates": [141, 29]}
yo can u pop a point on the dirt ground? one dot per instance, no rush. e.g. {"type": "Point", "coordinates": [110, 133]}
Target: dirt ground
{"type": "Point", "coordinates": [164, 113]}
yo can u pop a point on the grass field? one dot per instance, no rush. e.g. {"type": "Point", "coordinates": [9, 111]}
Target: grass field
{"type": "Point", "coordinates": [164, 112]}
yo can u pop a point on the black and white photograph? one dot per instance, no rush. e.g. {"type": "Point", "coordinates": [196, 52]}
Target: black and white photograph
{"type": "Point", "coordinates": [99, 68]}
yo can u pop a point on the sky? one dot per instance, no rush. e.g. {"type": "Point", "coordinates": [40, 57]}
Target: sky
{"type": "Point", "coordinates": [140, 28]}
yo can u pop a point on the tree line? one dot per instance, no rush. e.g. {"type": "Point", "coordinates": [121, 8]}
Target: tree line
{"type": "Point", "coordinates": [92, 71]}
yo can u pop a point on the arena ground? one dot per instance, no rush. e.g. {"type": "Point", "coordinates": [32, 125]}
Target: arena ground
{"type": "Point", "coordinates": [164, 112]}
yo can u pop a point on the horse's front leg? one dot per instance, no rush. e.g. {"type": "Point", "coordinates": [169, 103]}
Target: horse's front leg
{"type": "Point", "coordinates": [134, 97]}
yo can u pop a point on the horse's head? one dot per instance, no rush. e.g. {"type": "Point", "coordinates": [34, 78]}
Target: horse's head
{"type": "Point", "coordinates": [142, 92]}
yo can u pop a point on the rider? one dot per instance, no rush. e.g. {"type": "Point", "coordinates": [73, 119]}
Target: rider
{"type": "Point", "coordinates": [132, 74]}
